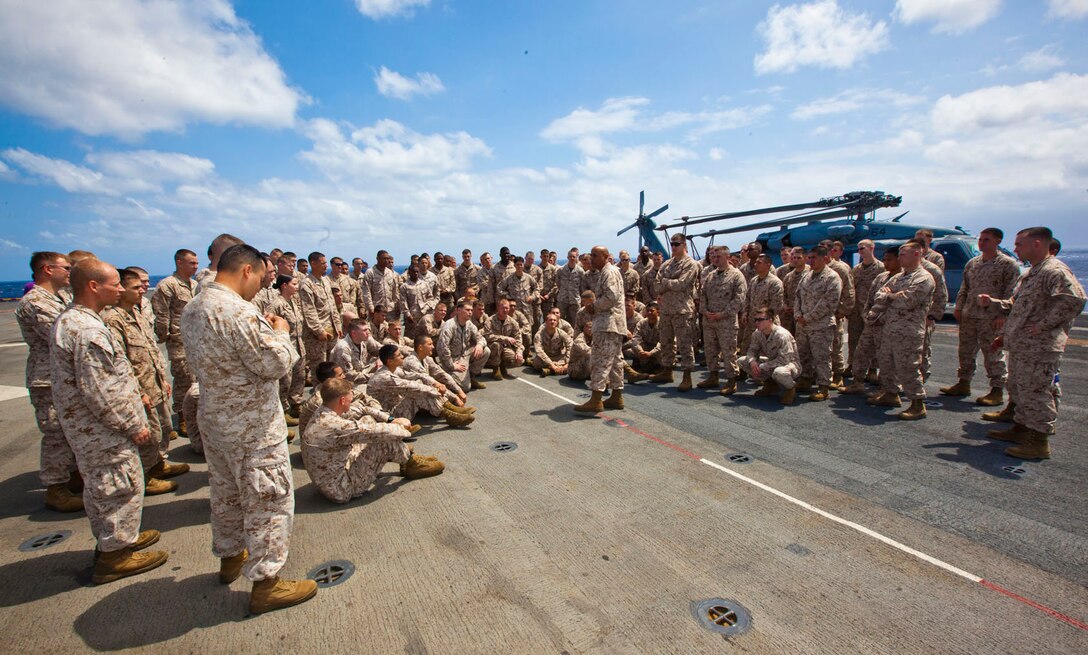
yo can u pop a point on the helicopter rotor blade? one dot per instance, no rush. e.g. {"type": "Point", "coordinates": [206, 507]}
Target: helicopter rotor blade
{"type": "Point", "coordinates": [635, 224]}
{"type": "Point", "coordinates": [641, 202]}
{"type": "Point", "coordinates": [896, 219]}
{"type": "Point", "coordinates": [657, 212]}
{"type": "Point", "coordinates": [781, 222]}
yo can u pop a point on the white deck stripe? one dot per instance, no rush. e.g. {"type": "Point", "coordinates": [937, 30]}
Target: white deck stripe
{"type": "Point", "coordinates": [816, 510]}
{"type": "Point", "coordinates": [13, 345]}
{"type": "Point", "coordinates": [9, 393]}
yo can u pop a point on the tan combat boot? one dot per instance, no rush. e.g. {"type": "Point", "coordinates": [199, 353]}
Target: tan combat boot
{"type": "Point", "coordinates": [992, 399]}
{"type": "Point", "coordinates": [155, 486]}
{"type": "Point", "coordinates": [729, 388]}
{"type": "Point", "coordinates": [164, 470]}
{"type": "Point", "coordinates": [181, 427]}
{"type": "Point", "coordinates": [1014, 434]}
{"type": "Point", "coordinates": [475, 384]}
{"type": "Point", "coordinates": [1003, 416]}
{"type": "Point", "coordinates": [456, 419]}
{"type": "Point", "coordinates": [614, 400]}
{"type": "Point", "coordinates": [820, 394]}
{"type": "Point", "coordinates": [174, 435]}
{"type": "Point", "coordinates": [710, 382]}
{"type": "Point", "coordinates": [292, 410]}
{"type": "Point", "coordinates": [143, 540]}
{"type": "Point", "coordinates": [290, 420]}
{"type": "Point", "coordinates": [788, 396]}
{"type": "Point", "coordinates": [961, 388]}
{"type": "Point", "coordinates": [664, 375]}
{"type": "Point", "coordinates": [804, 383]}
{"type": "Point", "coordinates": [836, 381]}
{"type": "Point", "coordinates": [685, 383]}
{"type": "Point", "coordinates": [458, 410]}
{"type": "Point", "coordinates": [872, 377]}
{"type": "Point", "coordinates": [633, 375]}
{"type": "Point", "coordinates": [545, 372]}
{"type": "Point", "coordinates": [496, 373]}
{"type": "Point", "coordinates": [917, 410]}
{"type": "Point", "coordinates": [75, 483]}
{"type": "Point", "coordinates": [885, 399]}
{"type": "Point", "coordinates": [593, 405]}
{"type": "Point", "coordinates": [413, 428]}
{"type": "Point", "coordinates": [290, 436]}
{"type": "Point", "coordinates": [506, 372]}
{"type": "Point", "coordinates": [768, 389]}
{"type": "Point", "coordinates": [418, 467]}
{"type": "Point", "coordinates": [231, 567]}
{"type": "Point", "coordinates": [122, 563]}
{"type": "Point", "coordinates": [276, 593]}
{"type": "Point", "coordinates": [855, 388]}
{"type": "Point", "coordinates": [1033, 445]}
{"type": "Point", "coordinates": [59, 499]}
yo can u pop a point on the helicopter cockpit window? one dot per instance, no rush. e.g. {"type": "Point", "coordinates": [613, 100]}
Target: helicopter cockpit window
{"type": "Point", "coordinates": [956, 254]}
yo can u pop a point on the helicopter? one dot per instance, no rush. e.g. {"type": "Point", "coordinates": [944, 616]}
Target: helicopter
{"type": "Point", "coordinates": [849, 218]}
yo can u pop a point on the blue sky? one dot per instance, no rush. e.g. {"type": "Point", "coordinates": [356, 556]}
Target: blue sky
{"type": "Point", "coordinates": [133, 128]}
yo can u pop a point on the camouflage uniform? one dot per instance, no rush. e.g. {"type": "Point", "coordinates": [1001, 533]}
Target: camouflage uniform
{"type": "Point", "coordinates": [417, 301]}
{"type": "Point", "coordinates": [776, 354]}
{"type": "Point", "coordinates": [344, 457]}
{"type": "Point", "coordinates": [447, 285]}
{"type": "Point", "coordinates": [862, 277]}
{"type": "Point", "coordinates": [675, 283]}
{"type": "Point", "coordinates": [904, 332]}
{"type": "Point", "coordinates": [581, 352]}
{"type": "Point", "coordinates": [522, 292]}
{"type": "Point", "coordinates": [846, 306]}
{"type": "Point", "coordinates": [355, 359]}
{"type": "Point", "coordinates": [428, 371]}
{"type": "Point", "coordinates": [609, 330]}
{"type": "Point", "coordinates": [499, 273]}
{"type": "Point", "coordinates": [817, 298]}
{"type": "Point", "coordinates": [172, 294]}
{"type": "Point", "coordinates": [537, 274]}
{"type": "Point", "coordinates": [98, 404]}
{"type": "Point", "coordinates": [647, 338]}
{"type": "Point", "coordinates": [362, 405]}
{"type": "Point", "coordinates": [935, 258]}
{"type": "Point", "coordinates": [466, 276]}
{"type": "Point", "coordinates": [936, 311]}
{"type": "Point", "coordinates": [864, 356]}
{"type": "Point", "coordinates": [723, 291]}
{"type": "Point", "coordinates": [405, 345]}
{"type": "Point", "coordinates": [789, 294]}
{"type": "Point", "coordinates": [36, 313]}
{"type": "Point", "coordinates": [401, 397]}
{"type": "Point", "coordinates": [485, 288]}
{"type": "Point", "coordinates": [997, 278]}
{"type": "Point", "coordinates": [319, 315]}
{"type": "Point", "coordinates": [648, 285]}
{"type": "Point", "coordinates": [382, 287]}
{"type": "Point", "coordinates": [548, 287]}
{"type": "Point", "coordinates": [292, 384]}
{"type": "Point", "coordinates": [551, 349]}
{"type": "Point", "coordinates": [499, 332]}
{"type": "Point", "coordinates": [239, 360]}
{"type": "Point", "coordinates": [190, 409]}
{"type": "Point", "coordinates": [455, 344]}
{"type": "Point", "coordinates": [632, 283]}
{"type": "Point", "coordinates": [263, 299]}
{"type": "Point", "coordinates": [569, 288]}
{"type": "Point", "coordinates": [350, 294]}
{"type": "Point", "coordinates": [135, 339]}
{"type": "Point", "coordinates": [430, 326]}
{"type": "Point", "coordinates": [762, 292]}
{"type": "Point", "coordinates": [1050, 297]}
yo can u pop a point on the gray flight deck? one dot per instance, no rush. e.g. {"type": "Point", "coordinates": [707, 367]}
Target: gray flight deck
{"type": "Point", "coordinates": [599, 534]}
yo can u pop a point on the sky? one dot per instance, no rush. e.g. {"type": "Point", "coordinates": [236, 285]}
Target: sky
{"type": "Point", "coordinates": [133, 128]}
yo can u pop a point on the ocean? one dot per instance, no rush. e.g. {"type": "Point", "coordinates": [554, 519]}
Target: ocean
{"type": "Point", "coordinates": [1076, 259]}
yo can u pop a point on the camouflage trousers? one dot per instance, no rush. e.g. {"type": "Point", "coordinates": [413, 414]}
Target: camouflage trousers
{"type": "Point", "coordinates": [814, 346]}
{"type": "Point", "coordinates": [864, 354]}
{"type": "Point", "coordinates": [900, 358]}
{"type": "Point", "coordinates": [292, 384]}
{"type": "Point", "coordinates": [473, 366]}
{"type": "Point", "coordinates": [501, 354]}
{"type": "Point", "coordinates": [789, 323]}
{"type": "Point", "coordinates": [786, 376]}
{"type": "Point", "coordinates": [113, 495]}
{"type": "Point", "coordinates": [838, 362]}
{"type": "Point", "coordinates": [252, 504]}
{"type": "Point", "coordinates": [414, 402]}
{"type": "Point", "coordinates": [1032, 388]}
{"type": "Point", "coordinates": [579, 368]}
{"type": "Point", "coordinates": [606, 362]}
{"type": "Point", "coordinates": [540, 365]}
{"type": "Point", "coordinates": [856, 325]}
{"type": "Point", "coordinates": [158, 422]}
{"type": "Point", "coordinates": [569, 310]}
{"type": "Point", "coordinates": [720, 347]}
{"type": "Point", "coordinates": [316, 352]}
{"type": "Point", "coordinates": [57, 461]}
{"type": "Point", "coordinates": [977, 334]}
{"type": "Point", "coordinates": [676, 333]}
{"type": "Point", "coordinates": [365, 462]}
{"type": "Point", "coordinates": [182, 379]}
{"type": "Point", "coordinates": [927, 350]}
{"type": "Point", "coordinates": [189, 409]}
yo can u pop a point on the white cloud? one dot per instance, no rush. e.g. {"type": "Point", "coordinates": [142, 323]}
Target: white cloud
{"type": "Point", "coordinates": [1043, 59]}
{"type": "Point", "coordinates": [113, 173]}
{"type": "Point", "coordinates": [585, 126]}
{"type": "Point", "coordinates": [1063, 97]}
{"type": "Point", "coordinates": [388, 149]}
{"type": "Point", "coordinates": [386, 8]}
{"type": "Point", "coordinates": [394, 85]}
{"type": "Point", "coordinates": [716, 154]}
{"type": "Point", "coordinates": [8, 244]}
{"type": "Point", "coordinates": [852, 100]}
{"type": "Point", "coordinates": [1068, 8]}
{"type": "Point", "coordinates": [948, 16]}
{"type": "Point", "coordinates": [819, 34]}
{"type": "Point", "coordinates": [126, 67]}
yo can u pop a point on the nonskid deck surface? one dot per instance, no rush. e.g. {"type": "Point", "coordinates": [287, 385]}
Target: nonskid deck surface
{"type": "Point", "coordinates": [847, 532]}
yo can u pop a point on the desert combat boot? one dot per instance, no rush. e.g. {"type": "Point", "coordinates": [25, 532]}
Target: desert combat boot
{"type": "Point", "coordinates": [961, 388]}
{"type": "Point", "coordinates": [118, 564]}
{"type": "Point", "coordinates": [275, 594]}
{"type": "Point", "coordinates": [1033, 445]}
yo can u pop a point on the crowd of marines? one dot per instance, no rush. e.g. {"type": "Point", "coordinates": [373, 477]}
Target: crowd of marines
{"type": "Point", "coordinates": [245, 337]}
